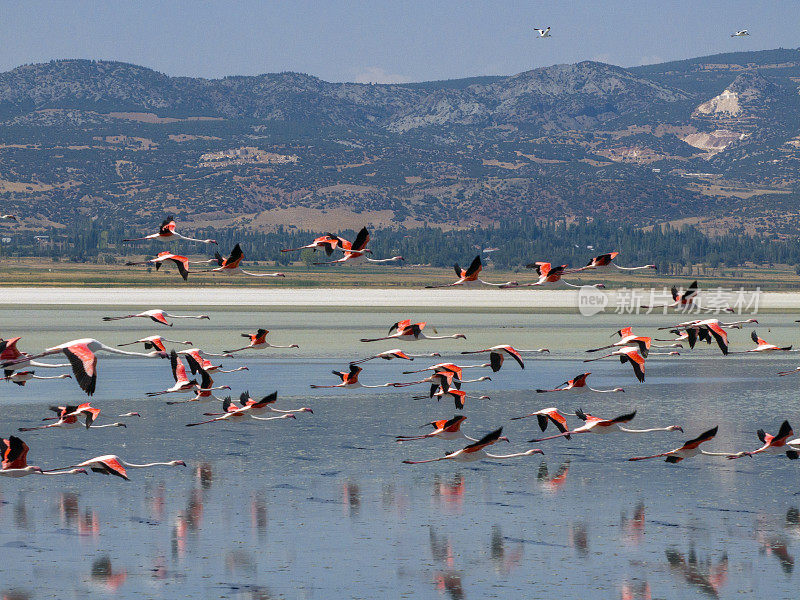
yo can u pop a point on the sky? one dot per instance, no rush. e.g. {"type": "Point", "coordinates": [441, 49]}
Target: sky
{"type": "Point", "coordinates": [384, 41]}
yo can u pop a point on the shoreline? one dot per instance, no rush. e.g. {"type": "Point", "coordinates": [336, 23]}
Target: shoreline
{"type": "Point", "coordinates": [348, 298]}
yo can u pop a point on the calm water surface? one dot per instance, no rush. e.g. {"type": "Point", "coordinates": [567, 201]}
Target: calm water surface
{"type": "Point", "coordinates": [322, 507]}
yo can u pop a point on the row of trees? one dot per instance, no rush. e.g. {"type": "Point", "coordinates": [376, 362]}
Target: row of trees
{"type": "Point", "coordinates": [510, 246]}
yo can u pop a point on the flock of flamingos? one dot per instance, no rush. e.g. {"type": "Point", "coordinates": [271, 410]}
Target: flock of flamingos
{"type": "Point", "coordinates": [442, 381]}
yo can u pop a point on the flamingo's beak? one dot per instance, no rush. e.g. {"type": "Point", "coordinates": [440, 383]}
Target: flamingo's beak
{"type": "Point", "coordinates": [678, 428]}
{"type": "Point", "coordinates": [180, 463]}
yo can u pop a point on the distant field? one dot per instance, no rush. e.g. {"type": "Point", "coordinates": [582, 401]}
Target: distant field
{"type": "Point", "coordinates": [42, 272]}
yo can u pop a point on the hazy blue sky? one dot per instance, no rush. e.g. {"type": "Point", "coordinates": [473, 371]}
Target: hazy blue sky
{"type": "Point", "coordinates": [384, 40]}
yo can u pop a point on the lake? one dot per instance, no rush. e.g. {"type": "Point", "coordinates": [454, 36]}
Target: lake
{"type": "Point", "coordinates": [322, 506]}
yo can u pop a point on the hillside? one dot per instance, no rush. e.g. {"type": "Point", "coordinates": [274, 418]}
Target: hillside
{"type": "Point", "coordinates": [713, 141]}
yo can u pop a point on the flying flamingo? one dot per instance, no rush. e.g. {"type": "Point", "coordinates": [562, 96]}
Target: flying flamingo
{"type": "Point", "coordinates": [111, 464]}
{"type": "Point", "coordinates": [167, 231]}
{"type": "Point", "coordinates": [327, 242]}
{"type": "Point", "coordinates": [392, 354]}
{"type": "Point", "coordinates": [81, 354]}
{"type": "Point", "coordinates": [543, 33]}
{"type": "Point", "coordinates": [444, 429]}
{"type": "Point", "coordinates": [258, 340]}
{"type": "Point", "coordinates": [231, 411]}
{"type": "Point", "coordinates": [9, 352]}
{"type": "Point", "coordinates": [14, 454]}
{"type": "Point", "coordinates": [23, 377]}
{"type": "Point", "coordinates": [606, 259]}
{"type": "Point", "coordinates": [154, 342]}
{"type": "Point", "coordinates": [230, 265]}
{"type": "Point", "coordinates": [183, 384]}
{"type": "Point", "coordinates": [497, 354]}
{"type": "Point", "coordinates": [68, 417]}
{"type": "Point", "coordinates": [764, 346]}
{"type": "Point", "coordinates": [198, 363]}
{"type": "Point", "coordinates": [9, 218]}
{"type": "Point", "coordinates": [357, 252]}
{"type": "Point", "coordinates": [262, 405]}
{"type": "Point", "coordinates": [350, 380]}
{"type": "Point", "coordinates": [203, 392]}
{"type": "Point", "coordinates": [708, 329]}
{"type": "Point", "coordinates": [457, 395]}
{"type": "Point", "coordinates": [477, 451]}
{"type": "Point", "coordinates": [448, 367]}
{"type": "Point", "coordinates": [740, 33]}
{"type": "Point", "coordinates": [627, 338]}
{"type": "Point", "coordinates": [407, 331]}
{"type": "Point", "coordinates": [594, 424]}
{"type": "Point", "coordinates": [157, 315]}
{"type": "Point", "coordinates": [579, 383]}
{"type": "Point", "coordinates": [773, 444]}
{"type": "Point", "coordinates": [469, 277]}
{"type": "Point", "coordinates": [631, 355]}
{"type": "Point", "coordinates": [688, 450]}
{"type": "Point", "coordinates": [180, 261]}
{"type": "Point", "coordinates": [443, 379]}
{"type": "Point", "coordinates": [549, 415]}
{"type": "Point", "coordinates": [686, 299]}
{"type": "Point", "coordinates": [550, 274]}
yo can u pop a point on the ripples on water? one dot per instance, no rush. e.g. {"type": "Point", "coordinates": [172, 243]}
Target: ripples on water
{"type": "Point", "coordinates": [322, 507]}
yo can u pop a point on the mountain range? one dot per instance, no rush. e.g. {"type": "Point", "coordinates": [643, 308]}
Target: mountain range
{"type": "Point", "coordinates": [712, 141]}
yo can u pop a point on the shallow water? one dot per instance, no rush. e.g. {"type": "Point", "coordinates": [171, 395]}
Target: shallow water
{"type": "Point", "coordinates": [322, 506]}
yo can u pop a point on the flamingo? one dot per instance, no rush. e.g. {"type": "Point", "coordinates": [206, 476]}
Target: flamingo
{"type": "Point", "coordinates": [740, 33]}
{"type": "Point", "coordinates": [550, 274]}
{"type": "Point", "coordinates": [686, 299]}
{"type": "Point", "coordinates": [23, 377]}
{"type": "Point", "coordinates": [157, 315]}
{"type": "Point", "coordinates": [180, 261]}
{"type": "Point", "coordinates": [68, 418]}
{"type": "Point", "coordinates": [203, 393]}
{"type": "Point", "coordinates": [263, 405]}
{"type": "Point", "coordinates": [773, 444]}
{"type": "Point", "coordinates": [627, 354]}
{"type": "Point", "coordinates": [407, 331]}
{"type": "Point", "coordinates": [350, 380]}
{"type": "Point", "coordinates": [764, 346]}
{"type": "Point", "coordinates": [477, 451]}
{"type": "Point", "coordinates": [497, 354]}
{"type": "Point", "coordinates": [457, 395]}
{"type": "Point", "coordinates": [445, 429]}
{"type": "Point", "coordinates": [167, 231]}
{"type": "Point", "coordinates": [154, 342]}
{"type": "Point", "coordinates": [594, 424]}
{"type": "Point", "coordinates": [230, 265]}
{"type": "Point", "coordinates": [230, 411]}
{"type": "Point", "coordinates": [706, 329]}
{"type": "Point", "coordinates": [394, 353]}
{"type": "Point", "coordinates": [14, 454]}
{"type": "Point", "coordinates": [182, 382]}
{"type": "Point", "coordinates": [81, 355]}
{"type": "Point", "coordinates": [447, 367]}
{"type": "Point", "coordinates": [546, 416]}
{"type": "Point", "coordinates": [258, 340]}
{"type": "Point", "coordinates": [111, 464]}
{"type": "Point", "coordinates": [579, 383]}
{"type": "Point", "coordinates": [357, 252]}
{"type": "Point", "coordinates": [198, 363]}
{"type": "Point", "coordinates": [327, 242]}
{"type": "Point", "coordinates": [688, 449]}
{"type": "Point", "coordinates": [9, 352]}
{"type": "Point", "coordinates": [469, 277]}
{"type": "Point", "coordinates": [9, 218]}
{"type": "Point", "coordinates": [543, 33]}
{"type": "Point", "coordinates": [443, 379]}
{"type": "Point", "coordinates": [642, 343]}
{"type": "Point", "coordinates": [606, 259]}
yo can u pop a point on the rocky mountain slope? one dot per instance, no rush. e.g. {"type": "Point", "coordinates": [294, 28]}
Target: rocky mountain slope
{"type": "Point", "coordinates": [713, 141]}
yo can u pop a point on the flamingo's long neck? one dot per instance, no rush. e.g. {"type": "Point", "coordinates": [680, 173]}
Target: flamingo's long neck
{"type": "Point", "coordinates": [515, 455]}
{"type": "Point", "coordinates": [152, 464]}
{"type": "Point", "coordinates": [33, 363]}
{"type": "Point", "coordinates": [124, 352]}
{"type": "Point", "coordinates": [626, 430]}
